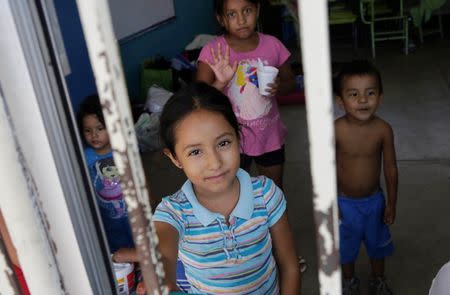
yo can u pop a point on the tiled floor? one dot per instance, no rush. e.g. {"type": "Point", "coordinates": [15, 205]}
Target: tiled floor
{"type": "Point", "coordinates": [417, 104]}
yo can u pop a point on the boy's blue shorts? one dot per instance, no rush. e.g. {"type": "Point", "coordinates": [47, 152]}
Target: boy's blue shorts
{"type": "Point", "coordinates": [361, 219]}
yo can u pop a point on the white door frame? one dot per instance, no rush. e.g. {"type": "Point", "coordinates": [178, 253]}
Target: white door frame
{"type": "Point", "coordinates": [44, 202]}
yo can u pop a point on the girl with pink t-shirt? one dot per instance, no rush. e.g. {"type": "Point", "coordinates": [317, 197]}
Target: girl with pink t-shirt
{"type": "Point", "coordinates": [229, 64]}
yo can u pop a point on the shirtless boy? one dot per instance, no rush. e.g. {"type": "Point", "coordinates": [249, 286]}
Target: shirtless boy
{"type": "Point", "coordinates": [364, 144]}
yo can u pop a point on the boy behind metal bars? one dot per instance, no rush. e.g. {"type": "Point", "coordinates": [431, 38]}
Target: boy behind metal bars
{"type": "Point", "coordinates": [364, 144]}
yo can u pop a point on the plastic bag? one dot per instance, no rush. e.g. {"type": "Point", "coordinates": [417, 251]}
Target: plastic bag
{"type": "Point", "coordinates": [147, 132]}
{"type": "Point", "coordinates": [156, 99]}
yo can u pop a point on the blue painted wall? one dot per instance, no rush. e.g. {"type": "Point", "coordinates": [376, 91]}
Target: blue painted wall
{"type": "Point", "coordinates": [80, 81]}
{"type": "Point", "coordinates": [193, 17]}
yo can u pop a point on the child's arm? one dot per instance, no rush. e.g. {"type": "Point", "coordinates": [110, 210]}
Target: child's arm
{"type": "Point", "coordinates": [219, 72]}
{"type": "Point", "coordinates": [10, 249]}
{"type": "Point", "coordinates": [124, 255]}
{"type": "Point", "coordinates": [286, 257]}
{"type": "Point", "coordinates": [285, 82]}
{"type": "Point", "coordinates": [168, 248]}
{"type": "Point", "coordinates": [390, 175]}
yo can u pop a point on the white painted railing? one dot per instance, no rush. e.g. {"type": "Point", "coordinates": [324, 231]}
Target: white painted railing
{"type": "Point", "coordinates": [313, 16]}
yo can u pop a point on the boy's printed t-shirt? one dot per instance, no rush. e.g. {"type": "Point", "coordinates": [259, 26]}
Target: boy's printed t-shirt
{"type": "Point", "coordinates": [262, 128]}
{"type": "Point", "coordinates": [227, 258]}
{"type": "Point", "coordinates": [108, 192]}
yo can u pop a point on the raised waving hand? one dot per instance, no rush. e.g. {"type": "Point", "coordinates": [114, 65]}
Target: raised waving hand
{"type": "Point", "coordinates": [221, 66]}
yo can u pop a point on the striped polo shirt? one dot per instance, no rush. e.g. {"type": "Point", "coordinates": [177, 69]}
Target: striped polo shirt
{"type": "Point", "coordinates": [227, 258]}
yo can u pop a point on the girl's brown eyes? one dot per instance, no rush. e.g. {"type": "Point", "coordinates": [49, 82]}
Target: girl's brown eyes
{"type": "Point", "coordinates": [224, 143]}
{"type": "Point", "coordinates": [233, 14]}
{"type": "Point", "coordinates": [194, 153]}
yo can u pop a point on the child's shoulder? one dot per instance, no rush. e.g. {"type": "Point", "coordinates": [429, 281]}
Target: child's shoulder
{"type": "Point", "coordinates": [216, 40]}
{"type": "Point", "coordinates": [269, 39]}
{"type": "Point", "coordinates": [177, 201]}
{"type": "Point", "coordinates": [260, 181]}
{"type": "Point", "coordinates": [268, 195]}
{"type": "Point", "coordinates": [88, 151]}
{"type": "Point", "coordinates": [263, 185]}
{"type": "Point", "coordinates": [340, 124]}
{"type": "Point", "coordinates": [381, 125]}
{"type": "Point", "coordinates": [205, 52]}
{"type": "Point", "coordinates": [178, 197]}
{"type": "Point", "coordinates": [92, 156]}
{"type": "Point", "coordinates": [339, 121]}
{"type": "Point", "coordinates": [381, 122]}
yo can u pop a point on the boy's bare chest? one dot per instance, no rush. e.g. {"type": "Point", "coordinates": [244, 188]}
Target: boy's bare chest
{"type": "Point", "coordinates": [359, 144]}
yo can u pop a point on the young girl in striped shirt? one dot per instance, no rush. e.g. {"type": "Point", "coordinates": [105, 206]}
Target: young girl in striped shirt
{"type": "Point", "coordinates": [229, 230]}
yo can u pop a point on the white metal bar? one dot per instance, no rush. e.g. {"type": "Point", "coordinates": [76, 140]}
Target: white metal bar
{"type": "Point", "coordinates": [106, 64]}
{"type": "Point", "coordinates": [313, 16]}
{"type": "Point", "coordinates": [21, 216]}
{"type": "Point", "coordinates": [33, 202]}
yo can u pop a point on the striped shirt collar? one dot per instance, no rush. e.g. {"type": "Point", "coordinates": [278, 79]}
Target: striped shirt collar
{"type": "Point", "coordinates": [243, 209]}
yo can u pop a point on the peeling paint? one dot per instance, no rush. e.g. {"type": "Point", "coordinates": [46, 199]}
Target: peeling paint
{"type": "Point", "coordinates": [326, 237]}
{"type": "Point", "coordinates": [327, 244]}
{"type": "Point", "coordinates": [330, 283]}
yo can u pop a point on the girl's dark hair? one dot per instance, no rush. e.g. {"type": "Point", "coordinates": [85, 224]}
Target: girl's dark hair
{"type": "Point", "coordinates": [196, 96]}
{"type": "Point", "coordinates": [90, 106]}
{"type": "Point", "coordinates": [356, 68]}
{"type": "Point", "coordinates": [219, 4]}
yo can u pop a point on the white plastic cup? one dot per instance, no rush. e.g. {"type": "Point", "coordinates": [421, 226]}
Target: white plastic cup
{"type": "Point", "coordinates": [266, 76]}
{"type": "Point", "coordinates": [125, 277]}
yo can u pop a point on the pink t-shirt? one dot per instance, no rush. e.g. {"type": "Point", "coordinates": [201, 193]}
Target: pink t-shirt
{"type": "Point", "coordinates": [262, 130]}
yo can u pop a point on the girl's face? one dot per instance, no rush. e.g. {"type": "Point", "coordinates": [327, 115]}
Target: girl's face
{"type": "Point", "coordinates": [207, 149]}
{"type": "Point", "coordinates": [95, 134]}
{"type": "Point", "coordinates": [239, 18]}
